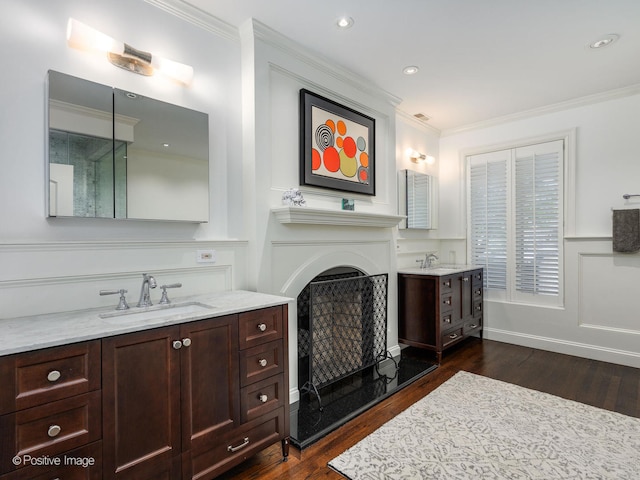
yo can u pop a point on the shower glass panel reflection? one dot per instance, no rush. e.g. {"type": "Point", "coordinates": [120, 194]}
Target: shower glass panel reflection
{"type": "Point", "coordinates": [83, 169]}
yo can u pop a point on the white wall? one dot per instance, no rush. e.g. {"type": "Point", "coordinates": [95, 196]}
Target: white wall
{"type": "Point", "coordinates": [55, 264]}
{"type": "Point", "coordinates": [599, 317]}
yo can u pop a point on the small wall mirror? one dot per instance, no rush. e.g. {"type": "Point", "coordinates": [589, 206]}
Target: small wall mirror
{"type": "Point", "coordinates": [416, 199]}
{"type": "Point", "coordinates": [117, 154]}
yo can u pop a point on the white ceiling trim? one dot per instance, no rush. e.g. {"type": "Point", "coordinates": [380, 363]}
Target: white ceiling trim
{"type": "Point", "coordinates": [555, 107]}
{"type": "Point", "coordinates": [198, 17]}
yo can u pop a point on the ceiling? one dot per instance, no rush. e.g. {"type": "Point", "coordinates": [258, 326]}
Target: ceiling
{"type": "Point", "coordinates": [478, 59]}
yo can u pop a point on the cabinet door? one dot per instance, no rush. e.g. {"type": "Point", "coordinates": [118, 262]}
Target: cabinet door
{"type": "Point", "coordinates": [141, 405]}
{"type": "Point", "coordinates": [210, 385]}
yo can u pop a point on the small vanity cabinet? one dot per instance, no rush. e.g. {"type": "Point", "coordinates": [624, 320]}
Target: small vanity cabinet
{"type": "Point", "coordinates": [50, 410]}
{"type": "Point", "coordinates": [438, 311]}
{"type": "Point", "coordinates": [190, 401]}
{"type": "Point", "coordinates": [183, 400]}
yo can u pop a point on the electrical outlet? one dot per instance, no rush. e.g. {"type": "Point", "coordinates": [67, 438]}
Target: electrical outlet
{"type": "Point", "coordinates": [206, 256]}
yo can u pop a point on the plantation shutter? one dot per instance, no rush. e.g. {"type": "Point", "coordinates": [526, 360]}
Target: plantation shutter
{"type": "Point", "coordinates": [515, 215]}
{"type": "Point", "coordinates": [538, 214]}
{"type": "Point", "coordinates": [488, 197]}
{"type": "Point", "coordinates": [418, 201]}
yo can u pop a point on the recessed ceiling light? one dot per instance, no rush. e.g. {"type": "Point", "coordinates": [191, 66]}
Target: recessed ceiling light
{"type": "Point", "coordinates": [410, 70]}
{"type": "Point", "coordinates": [344, 22]}
{"type": "Point", "coordinates": [604, 41]}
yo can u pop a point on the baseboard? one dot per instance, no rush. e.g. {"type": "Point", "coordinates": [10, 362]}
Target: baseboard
{"type": "Point", "coordinates": [621, 357]}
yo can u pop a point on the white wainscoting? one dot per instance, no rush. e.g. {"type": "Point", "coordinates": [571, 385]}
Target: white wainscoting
{"type": "Point", "coordinates": [40, 278]}
{"type": "Point", "coordinates": [600, 318]}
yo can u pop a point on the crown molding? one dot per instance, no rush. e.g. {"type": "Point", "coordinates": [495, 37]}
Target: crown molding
{"type": "Point", "coordinates": [198, 17]}
{"type": "Point", "coordinates": [554, 107]}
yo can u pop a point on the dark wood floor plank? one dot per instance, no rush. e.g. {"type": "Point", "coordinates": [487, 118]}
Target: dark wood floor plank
{"type": "Point", "coordinates": [604, 385]}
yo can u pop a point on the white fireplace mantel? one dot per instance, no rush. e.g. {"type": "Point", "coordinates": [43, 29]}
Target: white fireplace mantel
{"type": "Point", "coordinates": [305, 215]}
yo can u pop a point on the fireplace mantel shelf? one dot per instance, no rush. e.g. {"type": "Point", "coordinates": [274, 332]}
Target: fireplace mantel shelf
{"type": "Point", "coordinates": [305, 215]}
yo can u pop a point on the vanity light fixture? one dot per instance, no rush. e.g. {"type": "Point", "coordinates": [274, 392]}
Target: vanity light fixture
{"type": "Point", "coordinates": [417, 157]}
{"type": "Point", "coordinates": [83, 37]}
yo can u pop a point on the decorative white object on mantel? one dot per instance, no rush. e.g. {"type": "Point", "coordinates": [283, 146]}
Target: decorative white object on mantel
{"type": "Point", "coordinates": [299, 215]}
{"type": "Point", "coordinates": [293, 197]}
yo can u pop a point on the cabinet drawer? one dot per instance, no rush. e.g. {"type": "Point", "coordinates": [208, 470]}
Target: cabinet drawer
{"type": "Point", "coordinates": [476, 276]}
{"type": "Point", "coordinates": [473, 326]}
{"type": "Point", "coordinates": [262, 397]}
{"type": "Point", "coordinates": [477, 292]}
{"type": "Point", "coordinates": [446, 284]}
{"type": "Point", "coordinates": [446, 302]}
{"type": "Point", "coordinates": [237, 446]}
{"type": "Point", "coordinates": [261, 362]}
{"type": "Point", "coordinates": [477, 308]}
{"type": "Point", "coordinates": [260, 326]}
{"type": "Point", "coordinates": [50, 429]}
{"type": "Point", "coordinates": [42, 376]}
{"type": "Point", "coordinates": [451, 337]}
{"type": "Point", "coordinates": [84, 463]}
{"type": "Point", "coordinates": [446, 320]}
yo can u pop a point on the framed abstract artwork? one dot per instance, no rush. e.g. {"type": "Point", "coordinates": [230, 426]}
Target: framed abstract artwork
{"type": "Point", "coordinates": [337, 146]}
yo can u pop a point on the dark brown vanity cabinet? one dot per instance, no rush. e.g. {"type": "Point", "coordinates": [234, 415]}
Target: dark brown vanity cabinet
{"type": "Point", "coordinates": [177, 402]}
{"type": "Point", "coordinates": [436, 312]}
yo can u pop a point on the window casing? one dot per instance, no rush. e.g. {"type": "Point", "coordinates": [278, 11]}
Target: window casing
{"type": "Point", "coordinates": [515, 221]}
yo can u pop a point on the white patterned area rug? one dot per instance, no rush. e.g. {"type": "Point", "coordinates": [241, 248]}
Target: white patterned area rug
{"type": "Point", "coordinates": [473, 427]}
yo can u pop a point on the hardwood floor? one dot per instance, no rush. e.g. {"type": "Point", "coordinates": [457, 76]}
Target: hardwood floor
{"type": "Point", "coordinates": [604, 385]}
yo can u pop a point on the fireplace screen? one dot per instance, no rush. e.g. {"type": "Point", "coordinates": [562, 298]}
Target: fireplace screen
{"type": "Point", "coordinates": [342, 327]}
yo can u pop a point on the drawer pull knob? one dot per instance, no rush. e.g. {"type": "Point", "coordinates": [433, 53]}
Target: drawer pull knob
{"type": "Point", "coordinates": [447, 302]}
{"type": "Point", "coordinates": [53, 376]}
{"type": "Point", "coordinates": [177, 344]}
{"type": "Point", "coordinates": [262, 362]}
{"type": "Point", "coordinates": [447, 320]}
{"type": "Point", "coordinates": [473, 325]}
{"type": "Point", "coordinates": [54, 431]}
{"type": "Point", "coordinates": [186, 342]}
{"type": "Point", "coordinates": [478, 308]}
{"type": "Point", "coordinates": [262, 327]}
{"type": "Point", "coordinates": [244, 443]}
{"type": "Point", "coordinates": [453, 335]}
{"type": "Point", "coordinates": [263, 398]}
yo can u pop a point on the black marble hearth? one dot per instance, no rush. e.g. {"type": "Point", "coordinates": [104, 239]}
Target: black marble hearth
{"type": "Point", "coordinates": [347, 398]}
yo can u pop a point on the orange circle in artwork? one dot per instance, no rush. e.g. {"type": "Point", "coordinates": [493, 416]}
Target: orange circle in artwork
{"type": "Point", "coordinates": [331, 159]}
{"type": "Point", "coordinates": [331, 124]}
{"type": "Point", "coordinates": [364, 159]}
{"type": "Point", "coordinates": [342, 128]}
{"type": "Point", "coordinates": [349, 146]}
{"type": "Point", "coordinates": [339, 141]}
{"type": "Point", "coordinates": [363, 175]}
{"type": "Point", "coordinates": [315, 159]}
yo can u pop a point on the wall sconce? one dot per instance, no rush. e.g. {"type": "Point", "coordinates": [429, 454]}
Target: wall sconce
{"type": "Point", "coordinates": [417, 157]}
{"type": "Point", "coordinates": [83, 37]}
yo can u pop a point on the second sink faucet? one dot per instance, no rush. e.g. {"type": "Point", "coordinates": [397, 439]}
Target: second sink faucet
{"type": "Point", "coordinates": [147, 282]}
{"type": "Point", "coordinates": [429, 259]}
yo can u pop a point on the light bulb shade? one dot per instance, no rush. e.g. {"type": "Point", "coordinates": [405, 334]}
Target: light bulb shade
{"type": "Point", "coordinates": [83, 37]}
{"type": "Point", "coordinates": [178, 71]}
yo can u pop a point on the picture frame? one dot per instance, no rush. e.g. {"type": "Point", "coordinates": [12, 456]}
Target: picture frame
{"type": "Point", "coordinates": [337, 146]}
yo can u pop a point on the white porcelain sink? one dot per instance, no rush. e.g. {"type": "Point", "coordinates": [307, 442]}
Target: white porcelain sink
{"type": "Point", "coordinates": [135, 314]}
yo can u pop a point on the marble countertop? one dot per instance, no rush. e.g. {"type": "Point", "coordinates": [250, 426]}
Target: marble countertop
{"type": "Point", "coordinates": [438, 270]}
{"type": "Point", "coordinates": [23, 334]}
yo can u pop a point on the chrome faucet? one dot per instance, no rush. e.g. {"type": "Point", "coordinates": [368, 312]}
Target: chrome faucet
{"type": "Point", "coordinates": [429, 259]}
{"type": "Point", "coordinates": [147, 282]}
